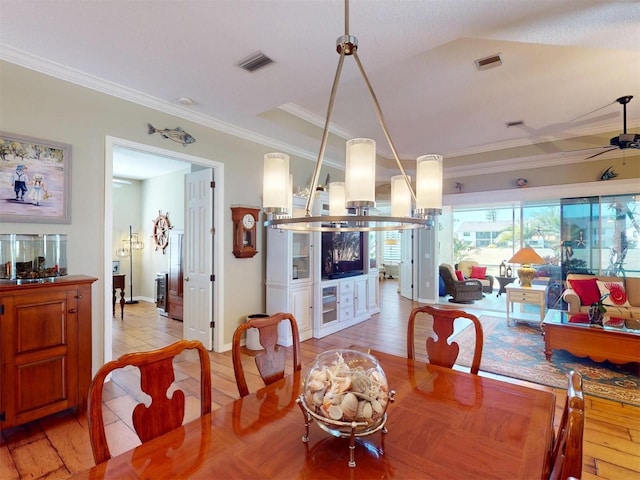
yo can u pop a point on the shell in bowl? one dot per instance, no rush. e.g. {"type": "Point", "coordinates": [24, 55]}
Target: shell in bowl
{"type": "Point", "coordinates": [346, 386]}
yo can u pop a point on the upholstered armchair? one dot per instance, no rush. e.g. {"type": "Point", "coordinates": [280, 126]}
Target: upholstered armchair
{"type": "Point", "coordinates": [466, 267]}
{"type": "Point", "coordinates": [465, 291]}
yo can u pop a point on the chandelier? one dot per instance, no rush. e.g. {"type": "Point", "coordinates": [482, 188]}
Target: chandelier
{"type": "Point", "coordinates": [357, 193]}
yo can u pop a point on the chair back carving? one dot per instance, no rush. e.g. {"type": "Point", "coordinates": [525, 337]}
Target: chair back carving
{"type": "Point", "coordinates": [156, 376]}
{"type": "Point", "coordinates": [270, 361]}
{"type": "Point", "coordinates": [566, 458]}
{"type": "Point", "coordinates": [439, 350]}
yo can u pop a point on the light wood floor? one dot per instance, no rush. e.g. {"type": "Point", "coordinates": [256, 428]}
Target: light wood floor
{"type": "Point", "coordinates": [58, 446]}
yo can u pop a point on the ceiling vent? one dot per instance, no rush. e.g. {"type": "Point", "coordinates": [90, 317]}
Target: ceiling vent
{"type": "Point", "coordinates": [517, 123]}
{"type": "Point", "coordinates": [254, 61]}
{"type": "Point", "coordinates": [489, 62]}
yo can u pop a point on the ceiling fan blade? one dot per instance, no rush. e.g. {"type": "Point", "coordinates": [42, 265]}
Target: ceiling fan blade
{"type": "Point", "coordinates": [600, 153]}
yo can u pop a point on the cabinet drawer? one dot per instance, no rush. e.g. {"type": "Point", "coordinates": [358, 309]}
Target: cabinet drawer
{"type": "Point", "coordinates": [346, 301]}
{"type": "Point", "coordinates": [346, 287]}
{"type": "Point", "coordinates": [346, 313]}
{"type": "Point", "coordinates": [525, 297]}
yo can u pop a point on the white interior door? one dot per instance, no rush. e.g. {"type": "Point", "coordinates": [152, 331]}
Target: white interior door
{"type": "Point", "coordinates": [406, 264]}
{"type": "Point", "coordinates": [198, 258]}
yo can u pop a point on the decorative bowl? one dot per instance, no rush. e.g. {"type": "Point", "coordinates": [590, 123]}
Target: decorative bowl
{"type": "Point", "coordinates": [346, 392]}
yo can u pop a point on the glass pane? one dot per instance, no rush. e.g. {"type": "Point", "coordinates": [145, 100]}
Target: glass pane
{"type": "Point", "coordinates": [373, 255]}
{"type": "Point", "coordinates": [300, 256]}
{"type": "Point", "coordinates": [580, 218]}
{"type": "Point", "coordinates": [329, 304]}
{"type": "Point", "coordinates": [620, 252]}
{"type": "Point", "coordinates": [485, 235]}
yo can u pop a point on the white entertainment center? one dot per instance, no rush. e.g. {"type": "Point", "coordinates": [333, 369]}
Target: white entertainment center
{"type": "Point", "coordinates": [322, 298]}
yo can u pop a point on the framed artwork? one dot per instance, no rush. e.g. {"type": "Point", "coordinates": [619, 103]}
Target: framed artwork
{"type": "Point", "coordinates": [115, 269]}
{"type": "Point", "coordinates": [35, 180]}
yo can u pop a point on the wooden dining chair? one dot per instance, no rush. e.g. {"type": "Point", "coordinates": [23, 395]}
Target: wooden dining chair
{"type": "Point", "coordinates": [270, 361]}
{"type": "Point", "coordinates": [566, 457]}
{"type": "Point", "coordinates": [156, 376]}
{"type": "Point", "coordinates": [441, 352]}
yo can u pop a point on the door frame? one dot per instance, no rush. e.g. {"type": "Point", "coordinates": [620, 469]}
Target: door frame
{"type": "Point", "coordinates": [218, 241]}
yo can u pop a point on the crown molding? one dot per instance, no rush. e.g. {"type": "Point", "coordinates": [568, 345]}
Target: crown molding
{"type": "Point", "coordinates": [92, 82]}
{"type": "Point", "coordinates": [77, 77]}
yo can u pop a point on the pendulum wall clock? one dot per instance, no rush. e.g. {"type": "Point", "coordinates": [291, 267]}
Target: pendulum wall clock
{"type": "Point", "coordinates": [245, 220]}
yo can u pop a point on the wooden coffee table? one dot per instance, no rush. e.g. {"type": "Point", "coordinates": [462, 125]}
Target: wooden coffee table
{"type": "Point", "coordinates": [618, 345]}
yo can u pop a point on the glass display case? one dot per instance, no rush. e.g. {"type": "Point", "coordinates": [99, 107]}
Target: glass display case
{"type": "Point", "coordinates": [32, 257]}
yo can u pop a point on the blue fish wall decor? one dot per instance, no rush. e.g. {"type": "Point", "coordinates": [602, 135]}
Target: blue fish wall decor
{"type": "Point", "coordinates": [177, 134]}
{"type": "Point", "coordinates": [608, 174]}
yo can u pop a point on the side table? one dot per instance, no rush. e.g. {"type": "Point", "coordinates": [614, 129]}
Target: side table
{"type": "Point", "coordinates": [504, 281]}
{"type": "Point", "coordinates": [533, 295]}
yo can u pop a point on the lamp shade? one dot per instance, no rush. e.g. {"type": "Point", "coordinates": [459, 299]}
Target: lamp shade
{"type": "Point", "coordinates": [429, 182]}
{"type": "Point", "coordinates": [360, 173]}
{"type": "Point", "coordinates": [400, 197]}
{"type": "Point", "coordinates": [276, 195]}
{"type": "Point", "coordinates": [336, 199]}
{"type": "Point", "coordinates": [525, 257]}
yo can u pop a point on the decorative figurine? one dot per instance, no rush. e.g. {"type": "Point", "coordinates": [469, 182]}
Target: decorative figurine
{"type": "Point", "coordinates": [177, 134]}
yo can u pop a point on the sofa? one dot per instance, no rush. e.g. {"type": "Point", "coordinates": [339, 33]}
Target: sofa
{"type": "Point", "coordinates": [623, 300]}
{"type": "Point", "coordinates": [466, 267]}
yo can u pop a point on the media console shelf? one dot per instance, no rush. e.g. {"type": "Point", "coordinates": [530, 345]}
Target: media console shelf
{"type": "Point", "coordinates": [298, 282]}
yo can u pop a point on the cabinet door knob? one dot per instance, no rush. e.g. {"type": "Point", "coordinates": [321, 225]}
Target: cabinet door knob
{"type": "Point", "coordinates": [72, 310]}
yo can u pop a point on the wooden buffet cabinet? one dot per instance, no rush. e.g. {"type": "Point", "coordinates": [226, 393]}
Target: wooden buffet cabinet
{"type": "Point", "coordinates": [45, 335]}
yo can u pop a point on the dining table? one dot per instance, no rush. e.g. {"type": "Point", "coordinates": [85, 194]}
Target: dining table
{"type": "Point", "coordinates": [443, 424]}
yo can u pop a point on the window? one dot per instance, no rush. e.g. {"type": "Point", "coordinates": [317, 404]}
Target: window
{"type": "Point", "coordinates": [391, 248]}
{"type": "Point", "coordinates": [597, 234]}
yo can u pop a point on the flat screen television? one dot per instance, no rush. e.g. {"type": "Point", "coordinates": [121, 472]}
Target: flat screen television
{"type": "Point", "coordinates": [342, 254]}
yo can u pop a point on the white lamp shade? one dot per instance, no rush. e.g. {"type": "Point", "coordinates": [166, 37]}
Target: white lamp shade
{"type": "Point", "coordinates": [360, 175]}
{"type": "Point", "coordinates": [400, 197]}
{"type": "Point", "coordinates": [429, 182]}
{"type": "Point", "coordinates": [337, 199]}
{"type": "Point", "coordinates": [276, 193]}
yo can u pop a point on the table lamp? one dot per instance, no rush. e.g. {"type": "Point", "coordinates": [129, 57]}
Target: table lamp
{"type": "Point", "coordinates": [525, 257]}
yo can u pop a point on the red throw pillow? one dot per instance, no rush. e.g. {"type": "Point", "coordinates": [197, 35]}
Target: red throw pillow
{"type": "Point", "coordinates": [587, 290]}
{"type": "Point", "coordinates": [460, 276]}
{"type": "Point", "coordinates": [479, 272]}
{"type": "Point", "coordinates": [579, 318]}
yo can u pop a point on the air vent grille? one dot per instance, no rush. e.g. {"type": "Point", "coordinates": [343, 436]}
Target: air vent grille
{"type": "Point", "coordinates": [254, 62]}
{"type": "Point", "coordinates": [489, 62]}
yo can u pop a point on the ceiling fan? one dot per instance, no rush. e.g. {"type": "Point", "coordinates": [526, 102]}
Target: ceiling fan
{"type": "Point", "coordinates": [624, 140]}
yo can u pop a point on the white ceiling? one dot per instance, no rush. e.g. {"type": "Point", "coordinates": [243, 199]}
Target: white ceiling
{"type": "Point", "coordinates": [565, 63]}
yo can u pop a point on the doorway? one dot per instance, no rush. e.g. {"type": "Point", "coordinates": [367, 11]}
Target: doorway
{"type": "Point", "coordinates": [112, 145]}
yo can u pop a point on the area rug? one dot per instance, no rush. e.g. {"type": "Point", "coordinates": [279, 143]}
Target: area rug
{"type": "Point", "coordinates": [518, 352]}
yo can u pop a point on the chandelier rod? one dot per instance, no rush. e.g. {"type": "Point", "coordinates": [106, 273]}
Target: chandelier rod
{"type": "Point", "coordinates": [349, 47]}
{"type": "Point", "coordinates": [382, 123]}
{"type": "Point", "coordinates": [325, 135]}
